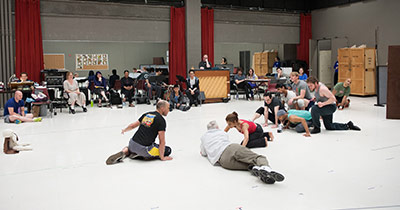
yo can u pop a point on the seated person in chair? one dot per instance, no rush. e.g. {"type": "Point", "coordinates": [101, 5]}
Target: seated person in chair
{"type": "Point", "coordinates": [100, 86]}
{"type": "Point", "coordinates": [193, 89]}
{"type": "Point", "coordinates": [127, 88]}
{"type": "Point", "coordinates": [176, 100]}
{"type": "Point", "coordinates": [252, 75]}
{"type": "Point", "coordinates": [240, 81]}
{"type": "Point", "coordinates": [26, 90]}
{"type": "Point", "coordinates": [14, 110]}
{"type": "Point", "coordinates": [205, 63]}
{"type": "Point", "coordinates": [71, 90]}
{"type": "Point", "coordinates": [158, 87]}
{"type": "Point", "coordinates": [114, 77]}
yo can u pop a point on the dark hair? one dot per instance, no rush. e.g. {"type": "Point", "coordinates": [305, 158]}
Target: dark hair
{"type": "Point", "coordinates": [126, 71]}
{"type": "Point", "coordinates": [191, 70]}
{"type": "Point", "coordinates": [114, 71]}
{"type": "Point", "coordinates": [98, 72]}
{"type": "Point", "coordinates": [279, 68]}
{"type": "Point", "coordinates": [224, 59]}
{"type": "Point", "coordinates": [158, 70]}
{"type": "Point", "coordinates": [277, 58]}
{"type": "Point", "coordinates": [280, 86]}
{"type": "Point", "coordinates": [176, 86]}
{"type": "Point", "coordinates": [239, 69]}
{"type": "Point", "coordinates": [233, 117]}
{"type": "Point", "coordinates": [312, 80]}
{"type": "Point", "coordinates": [24, 73]}
{"type": "Point", "coordinates": [91, 73]}
{"type": "Point", "coordinates": [269, 94]}
{"type": "Point", "coordinates": [134, 68]}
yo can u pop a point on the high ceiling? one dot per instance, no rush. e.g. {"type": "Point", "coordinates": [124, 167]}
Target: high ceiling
{"type": "Point", "coordinates": [254, 5]}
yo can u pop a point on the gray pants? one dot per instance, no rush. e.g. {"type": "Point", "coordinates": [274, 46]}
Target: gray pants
{"type": "Point", "coordinates": [300, 128]}
{"type": "Point", "coordinates": [238, 157]}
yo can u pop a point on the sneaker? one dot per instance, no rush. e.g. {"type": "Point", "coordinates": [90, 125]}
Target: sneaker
{"type": "Point", "coordinates": [353, 127]}
{"type": "Point", "coordinates": [264, 175]}
{"type": "Point", "coordinates": [37, 119]}
{"type": "Point", "coordinates": [280, 128]}
{"type": "Point", "coordinates": [275, 175]}
{"type": "Point", "coordinates": [18, 122]}
{"type": "Point", "coordinates": [315, 131]}
{"type": "Point", "coordinates": [84, 109]}
{"type": "Point", "coordinates": [133, 156]}
{"type": "Point", "coordinates": [115, 158]}
{"type": "Point", "coordinates": [148, 102]}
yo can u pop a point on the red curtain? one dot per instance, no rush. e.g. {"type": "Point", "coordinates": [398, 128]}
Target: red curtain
{"type": "Point", "coordinates": [28, 37]}
{"type": "Point", "coordinates": [177, 45]}
{"type": "Point", "coordinates": [305, 35]}
{"type": "Point", "coordinates": [207, 33]}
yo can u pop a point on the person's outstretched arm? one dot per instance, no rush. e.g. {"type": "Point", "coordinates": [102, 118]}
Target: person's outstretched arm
{"type": "Point", "coordinates": [297, 119]}
{"type": "Point", "coordinates": [161, 147]}
{"type": "Point", "coordinates": [130, 127]}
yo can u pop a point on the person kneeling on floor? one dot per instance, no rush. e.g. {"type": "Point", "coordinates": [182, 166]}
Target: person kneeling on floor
{"type": "Point", "coordinates": [14, 110]}
{"type": "Point", "coordinates": [142, 145]}
{"type": "Point", "coordinates": [301, 120]}
{"type": "Point", "coordinates": [215, 145]}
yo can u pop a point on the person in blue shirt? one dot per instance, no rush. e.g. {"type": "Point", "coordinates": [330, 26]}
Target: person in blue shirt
{"type": "Point", "coordinates": [336, 69]}
{"type": "Point", "coordinates": [100, 86]}
{"type": "Point", "coordinates": [14, 110]}
{"type": "Point", "coordinates": [298, 119]}
{"type": "Point", "coordinates": [302, 75]}
{"type": "Point", "coordinates": [277, 62]}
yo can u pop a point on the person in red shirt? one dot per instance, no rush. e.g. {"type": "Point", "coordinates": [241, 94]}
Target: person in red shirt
{"type": "Point", "coordinates": [254, 135]}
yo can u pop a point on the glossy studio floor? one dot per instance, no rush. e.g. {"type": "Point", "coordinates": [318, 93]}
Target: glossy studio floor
{"type": "Point", "coordinates": [330, 170]}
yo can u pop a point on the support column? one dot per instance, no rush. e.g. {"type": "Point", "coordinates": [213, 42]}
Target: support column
{"type": "Point", "coordinates": [193, 33]}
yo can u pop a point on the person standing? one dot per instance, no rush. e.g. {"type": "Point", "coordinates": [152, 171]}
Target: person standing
{"type": "Point", "coordinates": [325, 107]}
{"type": "Point", "coordinates": [142, 144]}
{"type": "Point", "coordinates": [277, 63]}
{"type": "Point", "coordinates": [215, 145]}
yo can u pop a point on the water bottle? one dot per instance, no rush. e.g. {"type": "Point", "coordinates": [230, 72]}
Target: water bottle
{"type": "Point", "coordinates": [280, 127]}
{"type": "Point", "coordinates": [91, 103]}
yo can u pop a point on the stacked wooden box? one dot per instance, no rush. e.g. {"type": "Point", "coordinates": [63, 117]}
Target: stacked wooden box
{"type": "Point", "coordinates": [359, 65]}
{"type": "Point", "coordinates": [263, 62]}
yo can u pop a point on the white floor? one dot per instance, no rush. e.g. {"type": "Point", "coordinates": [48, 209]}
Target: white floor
{"type": "Point", "coordinates": [331, 170]}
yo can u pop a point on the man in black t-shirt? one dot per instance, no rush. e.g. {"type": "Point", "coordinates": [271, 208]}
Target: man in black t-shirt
{"type": "Point", "coordinates": [142, 144]}
{"type": "Point", "coordinates": [271, 106]}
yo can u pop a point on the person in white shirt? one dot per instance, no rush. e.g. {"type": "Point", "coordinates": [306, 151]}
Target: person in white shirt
{"type": "Point", "coordinates": [215, 145]}
{"type": "Point", "coordinates": [286, 95]}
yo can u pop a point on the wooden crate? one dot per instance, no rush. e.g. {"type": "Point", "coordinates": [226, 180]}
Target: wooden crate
{"type": "Point", "coordinates": [257, 69]}
{"type": "Point", "coordinates": [369, 83]}
{"type": "Point", "coordinates": [264, 58]}
{"type": "Point", "coordinates": [370, 58]}
{"type": "Point", "coordinates": [357, 55]}
{"type": "Point", "coordinates": [344, 71]}
{"type": "Point", "coordinates": [271, 59]}
{"type": "Point", "coordinates": [357, 87]}
{"type": "Point", "coordinates": [257, 58]}
{"type": "Point", "coordinates": [344, 55]}
{"type": "Point", "coordinates": [264, 69]}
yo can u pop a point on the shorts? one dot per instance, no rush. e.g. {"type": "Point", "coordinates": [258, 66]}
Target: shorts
{"type": "Point", "coordinates": [150, 151]}
{"type": "Point", "coordinates": [7, 119]}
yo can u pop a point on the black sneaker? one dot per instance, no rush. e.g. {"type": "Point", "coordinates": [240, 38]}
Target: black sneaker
{"type": "Point", "coordinates": [148, 102]}
{"type": "Point", "coordinates": [277, 176]}
{"type": "Point", "coordinates": [353, 127]}
{"type": "Point", "coordinates": [115, 158]}
{"type": "Point", "coordinates": [315, 131]}
{"type": "Point", "coordinates": [268, 179]}
{"type": "Point", "coordinates": [84, 109]}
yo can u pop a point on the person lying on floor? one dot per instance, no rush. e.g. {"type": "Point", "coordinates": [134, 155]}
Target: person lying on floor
{"type": "Point", "coordinates": [254, 135]}
{"type": "Point", "coordinates": [215, 145]}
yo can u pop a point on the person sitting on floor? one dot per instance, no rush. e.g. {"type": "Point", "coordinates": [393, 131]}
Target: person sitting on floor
{"type": "Point", "coordinates": [127, 88]}
{"type": "Point", "coordinates": [193, 89]}
{"type": "Point", "coordinates": [325, 107]}
{"type": "Point", "coordinates": [254, 136]}
{"type": "Point", "coordinates": [215, 145]}
{"type": "Point", "coordinates": [71, 89]}
{"type": "Point", "coordinates": [271, 106]}
{"type": "Point", "coordinates": [14, 110]}
{"type": "Point", "coordinates": [100, 86]}
{"type": "Point", "coordinates": [176, 100]}
{"type": "Point", "coordinates": [298, 119]}
{"type": "Point", "coordinates": [342, 92]}
{"type": "Point", "coordinates": [142, 145]}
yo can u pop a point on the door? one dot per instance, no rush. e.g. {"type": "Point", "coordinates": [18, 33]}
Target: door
{"type": "Point", "coordinates": [313, 57]}
{"type": "Point", "coordinates": [325, 68]}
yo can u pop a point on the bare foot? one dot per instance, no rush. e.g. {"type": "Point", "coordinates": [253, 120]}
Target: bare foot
{"type": "Point", "coordinates": [266, 141]}
{"type": "Point", "coordinates": [271, 136]}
